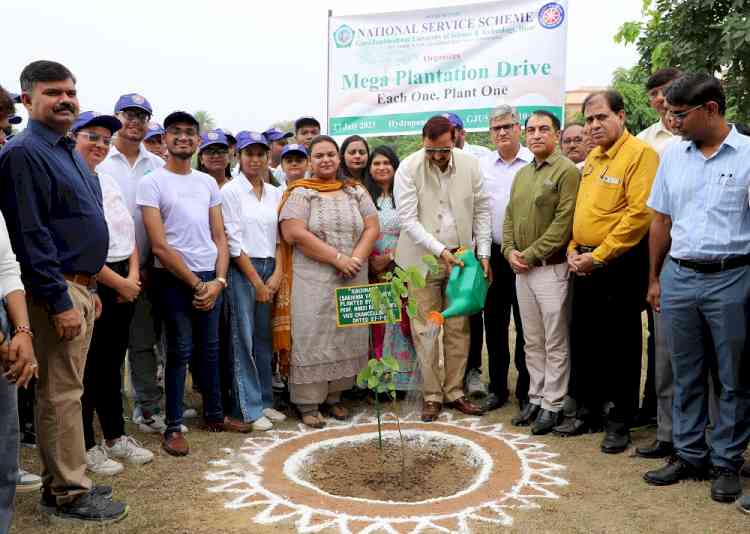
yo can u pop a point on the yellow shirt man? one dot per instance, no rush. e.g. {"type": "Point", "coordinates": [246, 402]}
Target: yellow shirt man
{"type": "Point", "coordinates": [611, 215]}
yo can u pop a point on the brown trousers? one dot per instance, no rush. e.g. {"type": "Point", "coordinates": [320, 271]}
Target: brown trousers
{"type": "Point", "coordinates": [438, 386]}
{"type": "Point", "coordinates": [59, 424]}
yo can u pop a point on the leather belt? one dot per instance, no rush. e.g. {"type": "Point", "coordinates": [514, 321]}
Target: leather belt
{"type": "Point", "coordinates": [708, 267]}
{"type": "Point", "coordinates": [86, 280]}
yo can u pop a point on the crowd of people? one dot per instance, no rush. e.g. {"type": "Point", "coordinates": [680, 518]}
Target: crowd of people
{"type": "Point", "coordinates": [204, 253]}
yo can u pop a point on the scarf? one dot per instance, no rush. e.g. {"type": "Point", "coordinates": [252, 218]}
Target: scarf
{"type": "Point", "coordinates": [281, 317]}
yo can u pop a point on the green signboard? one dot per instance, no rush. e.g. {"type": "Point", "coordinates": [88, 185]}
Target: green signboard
{"type": "Point", "coordinates": [354, 306]}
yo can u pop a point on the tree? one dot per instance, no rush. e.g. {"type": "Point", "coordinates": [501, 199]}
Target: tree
{"type": "Point", "coordinates": [631, 83]}
{"type": "Point", "coordinates": [697, 35]}
{"type": "Point", "coordinates": [205, 121]}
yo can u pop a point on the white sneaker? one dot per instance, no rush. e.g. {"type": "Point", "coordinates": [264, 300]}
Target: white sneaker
{"type": "Point", "coordinates": [99, 463]}
{"type": "Point", "coordinates": [155, 425]}
{"type": "Point", "coordinates": [263, 423]}
{"type": "Point", "coordinates": [274, 415]}
{"type": "Point", "coordinates": [190, 413]}
{"type": "Point", "coordinates": [27, 482]}
{"type": "Point", "coordinates": [127, 448]}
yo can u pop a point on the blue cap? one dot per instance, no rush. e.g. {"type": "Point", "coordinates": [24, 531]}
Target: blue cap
{"type": "Point", "coordinates": [213, 137]}
{"type": "Point", "coordinates": [16, 98]}
{"type": "Point", "coordinates": [154, 128]}
{"type": "Point", "coordinates": [92, 118]}
{"type": "Point", "coordinates": [455, 120]}
{"type": "Point", "coordinates": [299, 123]}
{"type": "Point", "coordinates": [15, 119]}
{"type": "Point", "coordinates": [231, 139]}
{"type": "Point", "coordinates": [245, 139]}
{"type": "Point", "coordinates": [133, 100]}
{"type": "Point", "coordinates": [295, 148]}
{"type": "Point", "coordinates": [274, 134]}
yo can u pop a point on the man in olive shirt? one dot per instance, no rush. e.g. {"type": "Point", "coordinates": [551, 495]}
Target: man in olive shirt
{"type": "Point", "coordinates": [609, 256]}
{"type": "Point", "coordinates": [536, 232]}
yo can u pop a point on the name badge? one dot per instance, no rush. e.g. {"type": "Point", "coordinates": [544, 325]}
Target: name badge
{"type": "Point", "coordinates": [611, 180]}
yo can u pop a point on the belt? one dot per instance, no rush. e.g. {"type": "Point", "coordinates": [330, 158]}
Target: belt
{"type": "Point", "coordinates": [87, 280]}
{"type": "Point", "coordinates": [554, 260]}
{"type": "Point", "coordinates": [713, 266]}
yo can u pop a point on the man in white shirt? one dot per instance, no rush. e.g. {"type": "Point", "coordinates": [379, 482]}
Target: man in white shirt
{"type": "Point", "coordinates": [659, 135]}
{"type": "Point", "coordinates": [498, 172]}
{"type": "Point", "coordinates": [442, 206]}
{"type": "Point", "coordinates": [128, 162]}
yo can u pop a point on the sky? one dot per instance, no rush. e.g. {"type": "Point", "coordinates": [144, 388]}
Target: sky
{"type": "Point", "coordinates": [249, 64]}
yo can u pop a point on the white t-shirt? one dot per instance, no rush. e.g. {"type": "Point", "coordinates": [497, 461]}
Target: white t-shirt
{"type": "Point", "coordinates": [119, 220]}
{"type": "Point", "coordinates": [184, 201]}
{"type": "Point", "coordinates": [251, 224]}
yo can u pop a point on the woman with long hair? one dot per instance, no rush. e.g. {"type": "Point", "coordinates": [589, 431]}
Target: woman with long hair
{"type": "Point", "coordinates": [389, 339]}
{"type": "Point", "coordinates": [213, 156]}
{"type": "Point", "coordinates": [329, 227]}
{"type": "Point", "coordinates": [354, 155]}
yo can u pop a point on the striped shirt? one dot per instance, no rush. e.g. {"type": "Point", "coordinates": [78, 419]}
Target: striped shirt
{"type": "Point", "coordinates": [706, 198]}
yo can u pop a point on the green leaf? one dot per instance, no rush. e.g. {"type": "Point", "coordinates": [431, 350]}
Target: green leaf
{"type": "Point", "coordinates": [416, 280]}
{"type": "Point", "coordinates": [363, 376]}
{"type": "Point", "coordinates": [373, 382]}
{"type": "Point", "coordinates": [411, 308]}
{"type": "Point", "coordinates": [399, 272]}
{"type": "Point", "coordinates": [391, 363]}
{"type": "Point", "coordinates": [381, 388]}
{"type": "Point", "coordinates": [391, 387]}
{"type": "Point", "coordinates": [400, 288]}
{"type": "Point", "coordinates": [388, 276]}
{"type": "Point", "coordinates": [429, 260]}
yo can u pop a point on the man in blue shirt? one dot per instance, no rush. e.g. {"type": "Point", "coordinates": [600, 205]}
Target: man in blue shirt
{"type": "Point", "coordinates": [53, 208]}
{"type": "Point", "coordinates": [700, 275]}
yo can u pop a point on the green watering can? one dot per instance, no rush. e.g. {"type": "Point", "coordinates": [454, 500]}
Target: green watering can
{"type": "Point", "coordinates": [466, 290]}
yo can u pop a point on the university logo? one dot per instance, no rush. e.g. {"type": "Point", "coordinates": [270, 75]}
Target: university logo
{"type": "Point", "coordinates": [343, 36]}
{"type": "Point", "coordinates": [551, 15]}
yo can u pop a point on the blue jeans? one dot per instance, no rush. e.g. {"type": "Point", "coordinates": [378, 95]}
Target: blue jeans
{"type": "Point", "coordinates": [190, 334]}
{"type": "Point", "coordinates": [252, 349]}
{"type": "Point", "coordinates": [720, 303]}
{"type": "Point", "coordinates": [9, 440]}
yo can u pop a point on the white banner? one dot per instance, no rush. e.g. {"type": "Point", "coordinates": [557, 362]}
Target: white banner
{"type": "Point", "coordinates": [388, 73]}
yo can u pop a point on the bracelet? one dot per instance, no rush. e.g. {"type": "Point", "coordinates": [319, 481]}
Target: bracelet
{"type": "Point", "coordinates": [23, 329]}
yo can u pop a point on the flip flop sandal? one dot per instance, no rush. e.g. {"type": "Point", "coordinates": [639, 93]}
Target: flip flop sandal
{"type": "Point", "coordinates": [313, 420]}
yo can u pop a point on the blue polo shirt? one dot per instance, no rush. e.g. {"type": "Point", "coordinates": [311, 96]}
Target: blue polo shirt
{"type": "Point", "coordinates": [706, 198]}
{"type": "Point", "coordinates": [52, 204]}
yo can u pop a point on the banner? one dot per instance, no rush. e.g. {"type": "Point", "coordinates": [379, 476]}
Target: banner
{"type": "Point", "coordinates": [390, 72]}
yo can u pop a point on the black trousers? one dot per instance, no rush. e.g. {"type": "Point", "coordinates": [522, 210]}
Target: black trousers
{"type": "Point", "coordinates": [102, 379]}
{"type": "Point", "coordinates": [606, 337]}
{"type": "Point", "coordinates": [495, 321]}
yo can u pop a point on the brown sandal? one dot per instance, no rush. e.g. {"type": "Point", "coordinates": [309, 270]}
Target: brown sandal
{"type": "Point", "coordinates": [313, 420]}
{"type": "Point", "coordinates": [338, 411]}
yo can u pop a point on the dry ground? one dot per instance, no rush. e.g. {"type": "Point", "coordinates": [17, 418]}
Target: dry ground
{"type": "Point", "coordinates": [606, 494]}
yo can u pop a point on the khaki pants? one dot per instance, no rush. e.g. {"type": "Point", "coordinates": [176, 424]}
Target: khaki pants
{"type": "Point", "coordinates": [308, 397]}
{"type": "Point", "coordinates": [59, 424]}
{"type": "Point", "coordinates": [435, 386]}
{"type": "Point", "coordinates": [543, 302]}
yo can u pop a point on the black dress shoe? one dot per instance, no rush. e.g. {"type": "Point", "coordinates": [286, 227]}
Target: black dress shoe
{"type": "Point", "coordinates": [527, 416]}
{"type": "Point", "coordinates": [493, 402]}
{"type": "Point", "coordinates": [615, 442]}
{"type": "Point", "coordinates": [726, 486]}
{"type": "Point", "coordinates": [676, 470]}
{"type": "Point", "coordinates": [658, 449]}
{"type": "Point", "coordinates": [545, 422]}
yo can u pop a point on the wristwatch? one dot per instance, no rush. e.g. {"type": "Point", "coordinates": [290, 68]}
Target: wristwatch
{"type": "Point", "coordinates": [483, 257]}
{"type": "Point", "coordinates": [222, 281]}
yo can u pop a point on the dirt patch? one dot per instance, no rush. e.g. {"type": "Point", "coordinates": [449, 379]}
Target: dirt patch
{"type": "Point", "coordinates": [432, 468]}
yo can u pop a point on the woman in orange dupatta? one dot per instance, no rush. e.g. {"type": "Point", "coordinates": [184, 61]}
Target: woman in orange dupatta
{"type": "Point", "coordinates": [329, 228]}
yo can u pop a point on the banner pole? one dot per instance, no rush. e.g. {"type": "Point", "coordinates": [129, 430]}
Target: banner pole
{"type": "Point", "coordinates": [328, 70]}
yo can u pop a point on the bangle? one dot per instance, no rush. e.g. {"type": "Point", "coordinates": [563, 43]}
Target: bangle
{"type": "Point", "coordinates": [23, 329]}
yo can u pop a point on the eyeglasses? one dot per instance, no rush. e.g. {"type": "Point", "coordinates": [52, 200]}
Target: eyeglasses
{"type": "Point", "coordinates": [680, 115]}
{"type": "Point", "coordinates": [438, 150]}
{"type": "Point", "coordinates": [503, 127]}
{"type": "Point", "coordinates": [572, 140]}
{"type": "Point", "coordinates": [179, 132]}
{"type": "Point", "coordinates": [95, 138]}
{"type": "Point", "coordinates": [135, 115]}
{"type": "Point", "coordinates": [215, 151]}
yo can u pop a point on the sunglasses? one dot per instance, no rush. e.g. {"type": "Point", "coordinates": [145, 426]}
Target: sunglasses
{"type": "Point", "coordinates": [216, 151]}
{"type": "Point", "coordinates": [438, 150]}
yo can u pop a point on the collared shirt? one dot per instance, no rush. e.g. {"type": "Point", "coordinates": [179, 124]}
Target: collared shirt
{"type": "Point", "coordinates": [52, 204]}
{"type": "Point", "coordinates": [658, 137]}
{"type": "Point", "coordinates": [611, 212]}
{"type": "Point", "coordinates": [119, 220]}
{"type": "Point", "coordinates": [539, 216]}
{"type": "Point", "coordinates": [478, 151]}
{"type": "Point", "coordinates": [251, 224]}
{"type": "Point", "coordinates": [707, 199]}
{"type": "Point", "coordinates": [498, 176]}
{"type": "Point", "coordinates": [127, 177]}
